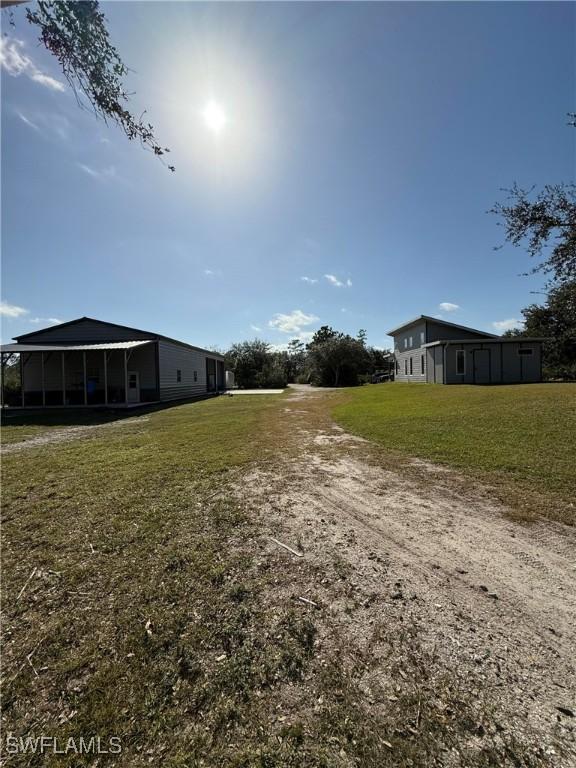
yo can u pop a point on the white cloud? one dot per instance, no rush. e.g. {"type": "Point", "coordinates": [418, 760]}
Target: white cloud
{"type": "Point", "coordinates": [213, 272]}
{"type": "Point", "coordinates": [310, 280]}
{"type": "Point", "coordinates": [45, 320]}
{"type": "Point", "coordinates": [292, 323]}
{"type": "Point", "coordinates": [102, 175]}
{"type": "Point", "coordinates": [447, 306]}
{"type": "Point", "coordinates": [255, 328]}
{"type": "Point", "coordinates": [304, 336]}
{"type": "Point", "coordinates": [508, 324]}
{"type": "Point", "coordinates": [333, 280]}
{"type": "Point", "coordinates": [27, 121]}
{"type": "Point", "coordinates": [11, 310]}
{"type": "Point", "coordinates": [16, 63]}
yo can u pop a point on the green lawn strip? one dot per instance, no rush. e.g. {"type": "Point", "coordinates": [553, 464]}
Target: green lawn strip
{"type": "Point", "coordinates": [520, 435]}
{"type": "Point", "coordinates": [154, 615]}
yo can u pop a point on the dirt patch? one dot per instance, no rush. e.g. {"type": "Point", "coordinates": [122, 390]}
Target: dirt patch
{"type": "Point", "coordinates": [415, 544]}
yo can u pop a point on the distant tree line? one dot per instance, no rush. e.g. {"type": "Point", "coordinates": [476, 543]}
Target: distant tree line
{"type": "Point", "coordinates": [330, 359]}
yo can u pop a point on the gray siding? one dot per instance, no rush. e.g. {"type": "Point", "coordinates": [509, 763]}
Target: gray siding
{"type": "Point", "coordinates": [441, 332]}
{"type": "Point", "coordinates": [85, 331]}
{"type": "Point", "coordinates": [435, 365]}
{"type": "Point", "coordinates": [173, 358]}
{"type": "Point", "coordinates": [408, 345]}
{"type": "Point", "coordinates": [495, 363]}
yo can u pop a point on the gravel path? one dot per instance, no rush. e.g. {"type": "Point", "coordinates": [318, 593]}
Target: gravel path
{"type": "Point", "coordinates": [495, 598]}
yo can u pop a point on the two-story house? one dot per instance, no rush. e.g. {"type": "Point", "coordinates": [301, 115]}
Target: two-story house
{"type": "Point", "coordinates": [427, 349]}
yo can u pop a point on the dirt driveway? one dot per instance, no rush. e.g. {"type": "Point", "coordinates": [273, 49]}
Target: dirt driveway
{"type": "Point", "coordinates": [421, 544]}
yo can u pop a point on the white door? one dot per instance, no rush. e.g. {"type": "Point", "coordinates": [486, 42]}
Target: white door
{"type": "Point", "coordinates": [133, 387]}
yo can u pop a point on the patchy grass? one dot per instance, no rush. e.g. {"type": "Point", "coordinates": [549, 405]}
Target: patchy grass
{"type": "Point", "coordinates": [141, 600]}
{"type": "Point", "coordinates": [519, 437]}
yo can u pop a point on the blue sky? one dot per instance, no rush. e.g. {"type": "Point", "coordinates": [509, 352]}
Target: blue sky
{"type": "Point", "coordinates": [363, 144]}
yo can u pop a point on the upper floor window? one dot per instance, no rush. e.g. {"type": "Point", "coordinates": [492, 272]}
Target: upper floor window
{"type": "Point", "coordinates": [525, 351]}
{"type": "Point", "coordinates": [411, 341]}
{"type": "Point", "coordinates": [406, 343]}
{"type": "Point", "coordinates": [460, 362]}
{"type": "Point", "coordinates": [422, 337]}
{"type": "Point", "coordinates": [195, 375]}
{"type": "Point", "coordinates": [178, 374]}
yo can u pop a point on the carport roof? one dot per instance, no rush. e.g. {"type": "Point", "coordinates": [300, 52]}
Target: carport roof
{"type": "Point", "coordinates": [488, 340]}
{"type": "Point", "coordinates": [12, 348]}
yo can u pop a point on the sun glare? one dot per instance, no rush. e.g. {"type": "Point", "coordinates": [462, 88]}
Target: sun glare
{"type": "Point", "coordinates": [214, 117]}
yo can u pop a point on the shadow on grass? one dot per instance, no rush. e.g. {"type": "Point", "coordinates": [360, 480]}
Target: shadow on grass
{"type": "Point", "coordinates": [78, 417]}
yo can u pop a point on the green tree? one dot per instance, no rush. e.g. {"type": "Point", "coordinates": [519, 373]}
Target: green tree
{"type": "Point", "coordinates": [255, 365]}
{"type": "Point", "coordinates": [546, 223]}
{"type": "Point", "coordinates": [336, 359]}
{"type": "Point", "coordinates": [77, 35]}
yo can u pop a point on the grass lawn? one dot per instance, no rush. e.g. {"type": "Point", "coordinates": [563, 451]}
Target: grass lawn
{"type": "Point", "coordinates": [142, 601]}
{"type": "Point", "coordinates": [522, 438]}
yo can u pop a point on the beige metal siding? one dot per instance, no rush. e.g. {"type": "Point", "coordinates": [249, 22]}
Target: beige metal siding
{"type": "Point", "coordinates": [173, 358]}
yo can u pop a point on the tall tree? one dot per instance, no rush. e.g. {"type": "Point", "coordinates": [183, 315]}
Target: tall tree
{"type": "Point", "coordinates": [77, 35]}
{"type": "Point", "coordinates": [546, 222]}
{"type": "Point", "coordinates": [336, 359]}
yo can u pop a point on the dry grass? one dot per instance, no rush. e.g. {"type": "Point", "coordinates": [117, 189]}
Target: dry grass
{"type": "Point", "coordinates": [159, 612]}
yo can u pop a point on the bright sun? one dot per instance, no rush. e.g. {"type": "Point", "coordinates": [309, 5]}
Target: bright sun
{"type": "Point", "coordinates": [214, 117]}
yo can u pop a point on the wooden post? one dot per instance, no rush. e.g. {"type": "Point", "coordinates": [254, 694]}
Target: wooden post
{"type": "Point", "coordinates": [63, 380]}
{"type": "Point", "coordinates": [43, 380]}
{"type": "Point", "coordinates": [125, 377]}
{"type": "Point", "coordinates": [85, 382]}
{"type": "Point", "coordinates": [105, 377]}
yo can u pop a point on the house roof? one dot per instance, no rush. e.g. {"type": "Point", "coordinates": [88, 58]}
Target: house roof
{"type": "Point", "coordinates": [152, 336]}
{"type": "Point", "coordinates": [419, 319]}
{"type": "Point", "coordinates": [73, 347]}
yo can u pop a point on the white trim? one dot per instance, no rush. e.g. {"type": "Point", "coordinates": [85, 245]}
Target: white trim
{"type": "Point", "coordinates": [461, 354]}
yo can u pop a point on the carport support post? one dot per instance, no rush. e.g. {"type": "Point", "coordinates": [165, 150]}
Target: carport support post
{"type": "Point", "coordinates": [105, 377]}
{"type": "Point", "coordinates": [63, 380]}
{"type": "Point", "coordinates": [85, 383]}
{"type": "Point", "coordinates": [22, 378]}
{"type": "Point", "coordinates": [125, 377]}
{"type": "Point", "coordinates": [43, 380]}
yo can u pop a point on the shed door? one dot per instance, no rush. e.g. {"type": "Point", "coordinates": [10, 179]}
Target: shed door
{"type": "Point", "coordinates": [133, 387]}
{"type": "Point", "coordinates": [482, 366]}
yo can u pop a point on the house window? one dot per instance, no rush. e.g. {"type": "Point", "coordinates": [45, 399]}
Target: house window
{"type": "Point", "coordinates": [525, 351]}
{"type": "Point", "coordinates": [460, 362]}
{"type": "Point", "coordinates": [411, 341]}
{"type": "Point", "coordinates": [397, 367]}
{"type": "Point", "coordinates": [405, 343]}
{"type": "Point", "coordinates": [422, 364]}
{"type": "Point", "coordinates": [411, 367]}
{"type": "Point", "coordinates": [195, 375]}
{"type": "Point", "coordinates": [422, 337]}
{"type": "Point", "coordinates": [405, 367]}
{"type": "Point", "coordinates": [178, 375]}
